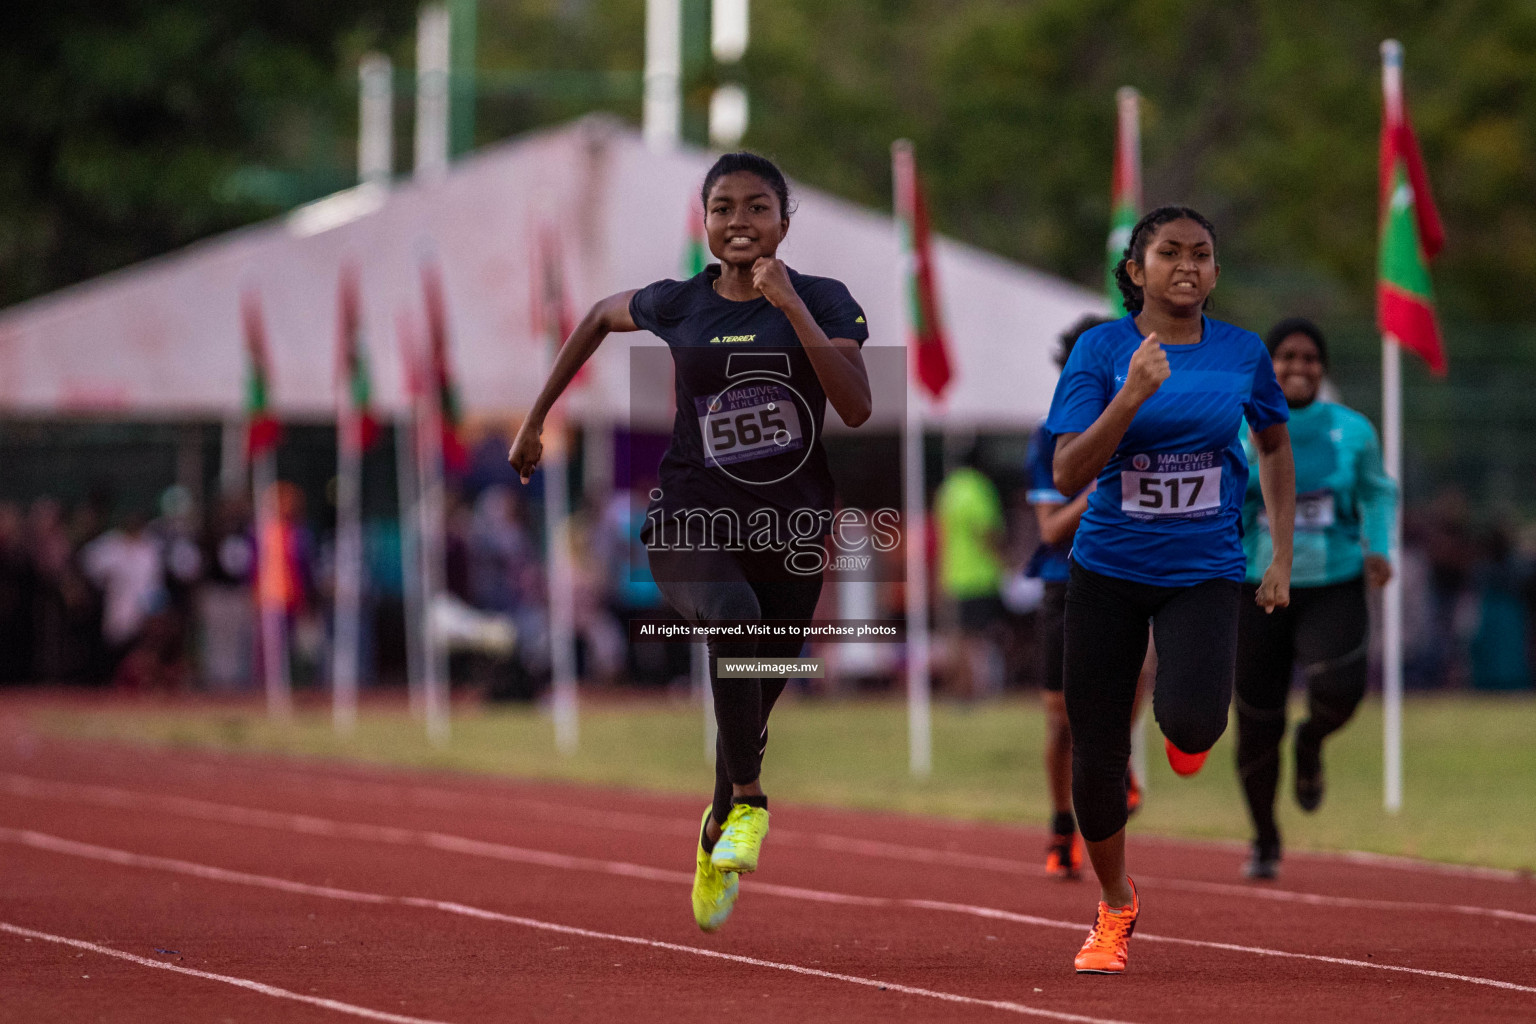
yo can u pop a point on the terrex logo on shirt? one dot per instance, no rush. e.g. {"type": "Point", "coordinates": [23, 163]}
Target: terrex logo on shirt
{"type": "Point", "coordinates": [732, 339]}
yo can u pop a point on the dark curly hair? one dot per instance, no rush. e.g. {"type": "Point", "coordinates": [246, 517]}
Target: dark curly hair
{"type": "Point", "coordinates": [731, 163]}
{"type": "Point", "coordinates": [1297, 325]}
{"type": "Point", "coordinates": [1141, 237]}
{"type": "Point", "coordinates": [1068, 339]}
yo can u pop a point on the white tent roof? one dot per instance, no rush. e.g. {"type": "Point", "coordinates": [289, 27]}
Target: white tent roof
{"type": "Point", "coordinates": [163, 338]}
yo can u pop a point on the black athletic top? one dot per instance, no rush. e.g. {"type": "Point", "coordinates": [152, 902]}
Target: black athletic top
{"type": "Point", "coordinates": [750, 407]}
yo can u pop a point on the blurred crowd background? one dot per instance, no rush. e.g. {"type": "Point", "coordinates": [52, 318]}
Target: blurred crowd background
{"type": "Point", "coordinates": [151, 589]}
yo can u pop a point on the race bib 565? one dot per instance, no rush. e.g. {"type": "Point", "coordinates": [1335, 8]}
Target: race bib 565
{"type": "Point", "coordinates": [749, 421]}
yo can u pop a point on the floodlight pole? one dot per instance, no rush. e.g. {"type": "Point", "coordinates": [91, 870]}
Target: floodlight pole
{"type": "Point", "coordinates": [663, 103]}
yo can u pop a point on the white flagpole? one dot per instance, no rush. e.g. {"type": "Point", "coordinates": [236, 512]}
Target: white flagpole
{"type": "Point", "coordinates": [430, 523]}
{"type": "Point", "coordinates": [274, 628]}
{"type": "Point", "coordinates": [662, 106]}
{"type": "Point", "coordinates": [349, 568]}
{"type": "Point", "coordinates": [407, 477]}
{"type": "Point", "coordinates": [562, 597]}
{"type": "Point", "coordinates": [919, 695]}
{"type": "Point", "coordinates": [1392, 453]}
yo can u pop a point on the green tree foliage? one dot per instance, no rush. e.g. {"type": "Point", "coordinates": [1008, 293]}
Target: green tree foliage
{"type": "Point", "coordinates": [129, 127]}
{"type": "Point", "coordinates": [137, 126]}
{"type": "Point", "coordinates": [1265, 114]}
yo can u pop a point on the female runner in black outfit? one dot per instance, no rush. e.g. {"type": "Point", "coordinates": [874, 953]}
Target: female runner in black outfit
{"type": "Point", "coordinates": [735, 529]}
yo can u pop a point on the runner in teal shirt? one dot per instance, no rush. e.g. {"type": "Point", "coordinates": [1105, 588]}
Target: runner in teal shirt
{"type": "Point", "coordinates": [1345, 503]}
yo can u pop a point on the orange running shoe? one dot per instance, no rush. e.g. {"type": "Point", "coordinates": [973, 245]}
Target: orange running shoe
{"type": "Point", "coordinates": [1109, 942]}
{"type": "Point", "coordinates": [1182, 763]}
{"type": "Point", "coordinates": [1132, 793]}
{"type": "Point", "coordinates": [1064, 857]}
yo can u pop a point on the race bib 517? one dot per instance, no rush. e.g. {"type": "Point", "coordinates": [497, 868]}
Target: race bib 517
{"type": "Point", "coordinates": [1185, 485]}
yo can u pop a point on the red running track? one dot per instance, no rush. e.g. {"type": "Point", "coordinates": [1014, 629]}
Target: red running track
{"type": "Point", "coordinates": [170, 886]}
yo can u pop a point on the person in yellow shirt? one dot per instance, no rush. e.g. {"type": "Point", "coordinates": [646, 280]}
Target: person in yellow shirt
{"type": "Point", "coordinates": [969, 515]}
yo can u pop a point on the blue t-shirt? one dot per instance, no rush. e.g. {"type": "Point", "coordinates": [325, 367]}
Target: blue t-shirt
{"type": "Point", "coordinates": [1049, 562]}
{"type": "Point", "coordinates": [1168, 506]}
{"type": "Point", "coordinates": [750, 407]}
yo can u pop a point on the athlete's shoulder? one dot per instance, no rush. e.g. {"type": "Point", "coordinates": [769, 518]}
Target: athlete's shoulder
{"type": "Point", "coordinates": [1234, 335]}
{"type": "Point", "coordinates": [831, 304]}
{"type": "Point", "coordinates": [810, 285]}
{"type": "Point", "coordinates": [1350, 420]}
{"type": "Point", "coordinates": [667, 300]}
{"type": "Point", "coordinates": [1105, 341]}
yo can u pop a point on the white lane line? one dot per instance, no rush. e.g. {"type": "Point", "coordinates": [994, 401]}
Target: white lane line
{"type": "Point", "coordinates": [28, 787]}
{"type": "Point", "coordinates": [56, 844]}
{"type": "Point", "coordinates": [245, 983]}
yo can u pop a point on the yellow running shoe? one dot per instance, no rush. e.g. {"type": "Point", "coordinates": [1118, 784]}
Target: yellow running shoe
{"type": "Point", "coordinates": [742, 839]}
{"type": "Point", "coordinates": [714, 891]}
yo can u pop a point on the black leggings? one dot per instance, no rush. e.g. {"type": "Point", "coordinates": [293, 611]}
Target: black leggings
{"type": "Point", "coordinates": [1324, 630]}
{"type": "Point", "coordinates": [1195, 630]}
{"type": "Point", "coordinates": [710, 587]}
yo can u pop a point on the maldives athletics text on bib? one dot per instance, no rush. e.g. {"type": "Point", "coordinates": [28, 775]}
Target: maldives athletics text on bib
{"type": "Point", "coordinates": [1159, 485]}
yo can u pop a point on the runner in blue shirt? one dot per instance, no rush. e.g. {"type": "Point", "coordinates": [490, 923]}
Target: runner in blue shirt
{"type": "Point", "coordinates": [1344, 509]}
{"type": "Point", "coordinates": [734, 531]}
{"type": "Point", "coordinates": [1151, 408]}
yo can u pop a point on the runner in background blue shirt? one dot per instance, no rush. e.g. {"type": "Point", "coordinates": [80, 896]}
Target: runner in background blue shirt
{"type": "Point", "coordinates": [1057, 517]}
{"type": "Point", "coordinates": [1151, 407]}
{"type": "Point", "coordinates": [1344, 512]}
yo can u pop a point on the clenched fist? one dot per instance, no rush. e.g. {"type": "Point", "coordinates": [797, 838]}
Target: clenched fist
{"type": "Point", "coordinates": [1149, 368]}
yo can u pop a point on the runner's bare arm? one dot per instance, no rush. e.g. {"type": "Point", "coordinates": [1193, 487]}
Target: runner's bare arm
{"type": "Point", "coordinates": [1080, 457]}
{"type": "Point", "coordinates": [1058, 522]}
{"type": "Point", "coordinates": [1277, 479]}
{"type": "Point", "coordinates": [605, 316]}
{"type": "Point", "coordinates": [838, 363]}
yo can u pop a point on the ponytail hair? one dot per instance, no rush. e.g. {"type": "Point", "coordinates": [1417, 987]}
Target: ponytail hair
{"type": "Point", "coordinates": [1136, 248]}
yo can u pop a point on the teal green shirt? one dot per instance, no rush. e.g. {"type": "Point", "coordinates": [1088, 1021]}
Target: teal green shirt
{"type": "Point", "coordinates": [1344, 499]}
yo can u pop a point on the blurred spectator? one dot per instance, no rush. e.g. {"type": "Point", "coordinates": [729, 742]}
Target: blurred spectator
{"type": "Point", "coordinates": [16, 594]}
{"type": "Point", "coordinates": [1452, 555]}
{"type": "Point", "coordinates": [125, 563]}
{"type": "Point", "coordinates": [226, 614]}
{"type": "Point", "coordinates": [500, 550]}
{"type": "Point", "coordinates": [632, 591]}
{"type": "Point", "coordinates": [1498, 646]}
{"type": "Point", "coordinates": [969, 516]}
{"type": "Point", "coordinates": [66, 608]}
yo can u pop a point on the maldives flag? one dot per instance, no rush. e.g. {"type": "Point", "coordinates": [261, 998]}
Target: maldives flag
{"type": "Point", "coordinates": [696, 254]}
{"type": "Point", "coordinates": [1125, 191]}
{"type": "Point", "coordinates": [352, 365]}
{"type": "Point", "coordinates": [262, 431]}
{"type": "Point", "coordinates": [440, 373]}
{"type": "Point", "coordinates": [553, 318]}
{"type": "Point", "coordinates": [1411, 232]}
{"type": "Point", "coordinates": [930, 352]}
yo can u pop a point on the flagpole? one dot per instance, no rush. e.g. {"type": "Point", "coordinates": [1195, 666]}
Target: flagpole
{"type": "Point", "coordinates": [919, 693]}
{"type": "Point", "coordinates": [1392, 453]}
{"type": "Point", "coordinates": [349, 570]}
{"type": "Point", "coordinates": [562, 598]}
{"type": "Point", "coordinates": [430, 523]}
{"type": "Point", "coordinates": [407, 479]}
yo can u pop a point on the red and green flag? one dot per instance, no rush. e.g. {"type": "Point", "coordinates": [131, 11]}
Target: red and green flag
{"type": "Point", "coordinates": [930, 361]}
{"type": "Point", "coordinates": [352, 365]}
{"type": "Point", "coordinates": [262, 430]}
{"type": "Point", "coordinates": [1411, 232]}
{"type": "Point", "coordinates": [1125, 191]}
{"type": "Point", "coordinates": [553, 317]}
{"type": "Point", "coordinates": [696, 254]}
{"type": "Point", "coordinates": [440, 372]}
